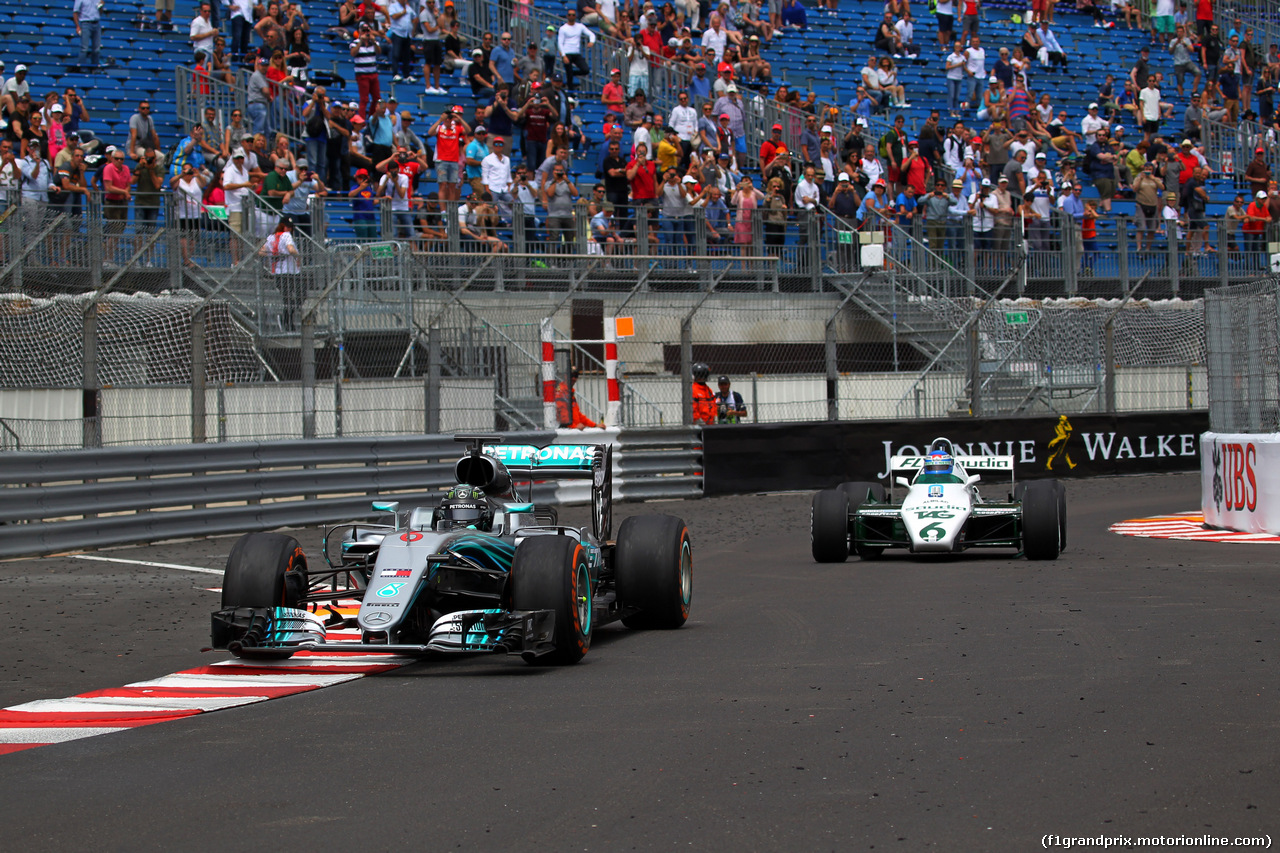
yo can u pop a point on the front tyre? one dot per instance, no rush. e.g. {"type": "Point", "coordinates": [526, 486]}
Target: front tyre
{"type": "Point", "coordinates": [551, 573]}
{"type": "Point", "coordinates": [829, 526]}
{"type": "Point", "coordinates": [653, 564]}
{"type": "Point", "coordinates": [1041, 530]}
{"type": "Point", "coordinates": [264, 570]}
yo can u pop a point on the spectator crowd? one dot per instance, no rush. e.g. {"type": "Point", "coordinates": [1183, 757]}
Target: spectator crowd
{"type": "Point", "coordinates": [1005, 160]}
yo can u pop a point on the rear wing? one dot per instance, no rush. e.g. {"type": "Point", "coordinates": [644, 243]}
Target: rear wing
{"type": "Point", "coordinates": [968, 463]}
{"type": "Point", "coordinates": [556, 461]}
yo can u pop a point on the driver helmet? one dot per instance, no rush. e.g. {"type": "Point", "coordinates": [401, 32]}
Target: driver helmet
{"type": "Point", "coordinates": [938, 462]}
{"type": "Point", "coordinates": [465, 506]}
{"type": "Point", "coordinates": [700, 372]}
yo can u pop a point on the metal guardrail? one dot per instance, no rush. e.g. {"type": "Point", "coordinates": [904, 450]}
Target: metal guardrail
{"type": "Point", "coordinates": [91, 498]}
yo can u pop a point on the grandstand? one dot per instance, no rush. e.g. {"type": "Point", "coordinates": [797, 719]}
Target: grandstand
{"type": "Point", "coordinates": [886, 271]}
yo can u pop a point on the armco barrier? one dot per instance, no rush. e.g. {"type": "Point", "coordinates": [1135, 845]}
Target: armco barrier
{"type": "Point", "coordinates": [749, 458]}
{"type": "Point", "coordinates": [54, 502]}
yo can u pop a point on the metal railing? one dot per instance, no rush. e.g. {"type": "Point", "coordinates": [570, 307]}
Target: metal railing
{"type": "Point", "coordinates": [196, 91]}
{"type": "Point", "coordinates": [94, 498]}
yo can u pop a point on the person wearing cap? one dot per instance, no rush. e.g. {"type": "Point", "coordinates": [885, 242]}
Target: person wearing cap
{"type": "Point", "coordinates": [1171, 220]}
{"type": "Point", "coordinates": [1258, 174]}
{"type": "Point", "coordinates": [730, 103]}
{"type": "Point", "coordinates": [1092, 122]}
{"type": "Point", "coordinates": [364, 203]}
{"type": "Point", "coordinates": [569, 46]}
{"type": "Point", "coordinates": [14, 89]}
{"type": "Point", "coordinates": [772, 146]}
{"type": "Point", "coordinates": [730, 407]}
{"type": "Point", "coordinates": [675, 207]}
{"type": "Point", "coordinates": [364, 51]}
{"type": "Point", "coordinates": [1147, 188]}
{"type": "Point", "coordinates": [846, 204]}
{"type": "Point", "coordinates": [235, 185]}
{"type": "Point", "coordinates": [1257, 216]}
{"type": "Point", "coordinates": [613, 95]}
{"type": "Point", "coordinates": [559, 193]}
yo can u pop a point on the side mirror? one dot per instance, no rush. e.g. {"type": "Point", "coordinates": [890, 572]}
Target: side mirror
{"type": "Point", "coordinates": [392, 507]}
{"type": "Point", "coordinates": [971, 479]}
{"type": "Point", "coordinates": [902, 481]}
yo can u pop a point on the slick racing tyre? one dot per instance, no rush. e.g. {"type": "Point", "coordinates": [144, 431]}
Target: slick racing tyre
{"type": "Point", "coordinates": [857, 493]}
{"type": "Point", "coordinates": [829, 526]}
{"type": "Point", "coordinates": [653, 564]}
{"type": "Point", "coordinates": [1041, 530]}
{"type": "Point", "coordinates": [265, 570]}
{"type": "Point", "coordinates": [551, 573]}
{"type": "Point", "coordinates": [1062, 514]}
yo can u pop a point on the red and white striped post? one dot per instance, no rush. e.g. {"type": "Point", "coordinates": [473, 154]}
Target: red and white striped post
{"type": "Point", "coordinates": [613, 411]}
{"type": "Point", "coordinates": [549, 417]}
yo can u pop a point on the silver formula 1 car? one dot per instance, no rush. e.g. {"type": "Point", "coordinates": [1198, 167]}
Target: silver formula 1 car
{"type": "Point", "coordinates": [484, 571]}
{"type": "Point", "coordinates": [942, 511]}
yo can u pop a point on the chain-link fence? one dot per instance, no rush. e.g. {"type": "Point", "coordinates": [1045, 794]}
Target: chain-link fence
{"type": "Point", "coordinates": [1244, 357]}
{"type": "Point", "coordinates": [192, 330]}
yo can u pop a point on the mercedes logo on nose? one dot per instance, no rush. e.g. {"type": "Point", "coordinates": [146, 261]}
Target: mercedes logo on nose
{"type": "Point", "coordinates": [378, 618]}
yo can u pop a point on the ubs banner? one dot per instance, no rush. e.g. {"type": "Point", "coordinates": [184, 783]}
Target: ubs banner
{"type": "Point", "coordinates": [768, 457]}
{"type": "Point", "coordinates": [1235, 492]}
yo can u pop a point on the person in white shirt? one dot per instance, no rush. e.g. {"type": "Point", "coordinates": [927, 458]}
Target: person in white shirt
{"type": "Point", "coordinates": [495, 172]}
{"type": "Point", "coordinates": [684, 119]}
{"type": "Point", "coordinates": [282, 253]}
{"type": "Point", "coordinates": [975, 66]}
{"type": "Point", "coordinates": [396, 186]}
{"type": "Point", "coordinates": [871, 82]}
{"type": "Point", "coordinates": [1051, 50]}
{"type": "Point", "coordinates": [807, 194]}
{"type": "Point", "coordinates": [569, 44]}
{"type": "Point", "coordinates": [202, 30]}
{"type": "Point", "coordinates": [716, 36]}
{"type": "Point", "coordinates": [955, 63]}
{"type": "Point", "coordinates": [1149, 101]}
{"type": "Point", "coordinates": [235, 186]}
{"type": "Point", "coordinates": [906, 31]}
{"type": "Point", "coordinates": [1092, 123]}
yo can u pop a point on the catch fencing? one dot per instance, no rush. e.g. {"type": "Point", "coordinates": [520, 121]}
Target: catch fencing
{"type": "Point", "coordinates": [1242, 332]}
{"type": "Point", "coordinates": [131, 333]}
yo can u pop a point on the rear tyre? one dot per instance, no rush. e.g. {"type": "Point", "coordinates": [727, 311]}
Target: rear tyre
{"type": "Point", "coordinates": [1040, 524]}
{"type": "Point", "coordinates": [653, 564]}
{"type": "Point", "coordinates": [551, 573]}
{"type": "Point", "coordinates": [1062, 515]}
{"type": "Point", "coordinates": [264, 570]}
{"type": "Point", "coordinates": [829, 526]}
{"type": "Point", "coordinates": [857, 494]}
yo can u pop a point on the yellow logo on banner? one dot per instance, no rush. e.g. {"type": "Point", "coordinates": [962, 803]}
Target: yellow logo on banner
{"type": "Point", "coordinates": [1058, 447]}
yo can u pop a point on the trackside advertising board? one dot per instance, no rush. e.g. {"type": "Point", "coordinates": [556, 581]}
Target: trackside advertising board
{"type": "Point", "coordinates": [749, 458]}
{"type": "Point", "coordinates": [1240, 481]}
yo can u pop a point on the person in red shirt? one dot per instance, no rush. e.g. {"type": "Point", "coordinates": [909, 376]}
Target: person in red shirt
{"type": "Point", "coordinates": [1204, 17]}
{"type": "Point", "coordinates": [772, 147]}
{"type": "Point", "coordinates": [651, 37]}
{"type": "Point", "coordinates": [643, 175]}
{"type": "Point", "coordinates": [613, 96]}
{"type": "Point", "coordinates": [449, 131]}
{"type": "Point", "coordinates": [1256, 217]}
{"type": "Point", "coordinates": [1190, 162]}
{"type": "Point", "coordinates": [915, 170]}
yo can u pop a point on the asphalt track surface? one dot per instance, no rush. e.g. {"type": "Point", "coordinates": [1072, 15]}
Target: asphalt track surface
{"type": "Point", "coordinates": [974, 703]}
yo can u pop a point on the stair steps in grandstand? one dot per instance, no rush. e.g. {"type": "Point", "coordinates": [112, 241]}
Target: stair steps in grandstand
{"type": "Point", "coordinates": [911, 319]}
